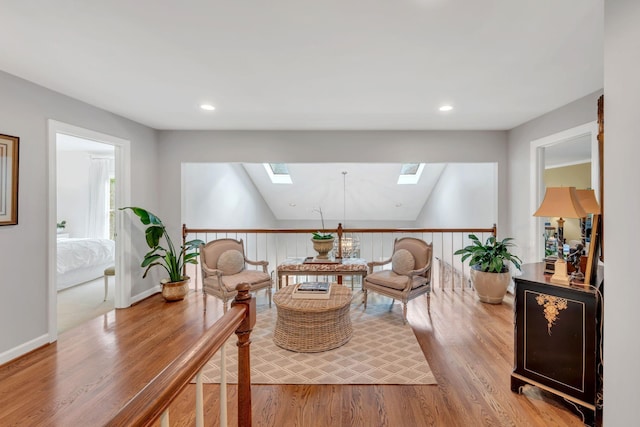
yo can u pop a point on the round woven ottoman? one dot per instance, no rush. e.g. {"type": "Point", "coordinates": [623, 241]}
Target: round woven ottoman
{"type": "Point", "coordinates": [312, 325]}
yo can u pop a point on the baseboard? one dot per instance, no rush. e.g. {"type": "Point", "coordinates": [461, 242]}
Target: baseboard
{"type": "Point", "coordinates": [146, 294]}
{"type": "Point", "coordinates": [23, 348]}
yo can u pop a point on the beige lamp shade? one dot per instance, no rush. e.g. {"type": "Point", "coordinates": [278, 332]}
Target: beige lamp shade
{"type": "Point", "coordinates": [587, 199]}
{"type": "Point", "coordinates": [561, 202]}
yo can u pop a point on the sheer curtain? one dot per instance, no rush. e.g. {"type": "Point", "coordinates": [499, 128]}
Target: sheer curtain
{"type": "Point", "coordinates": [98, 220]}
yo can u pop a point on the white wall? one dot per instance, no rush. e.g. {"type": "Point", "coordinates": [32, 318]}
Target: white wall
{"type": "Point", "coordinates": [73, 191]}
{"type": "Point", "coordinates": [579, 112]}
{"type": "Point", "coordinates": [25, 109]}
{"type": "Point", "coordinates": [465, 196]}
{"type": "Point", "coordinates": [621, 206]}
{"type": "Point", "coordinates": [221, 195]}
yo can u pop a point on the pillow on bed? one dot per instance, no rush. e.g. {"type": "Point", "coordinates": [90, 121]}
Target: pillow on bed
{"type": "Point", "coordinates": [402, 261]}
{"type": "Point", "coordinates": [231, 262]}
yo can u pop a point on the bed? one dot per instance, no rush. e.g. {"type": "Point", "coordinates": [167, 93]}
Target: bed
{"type": "Point", "coordinates": [81, 260]}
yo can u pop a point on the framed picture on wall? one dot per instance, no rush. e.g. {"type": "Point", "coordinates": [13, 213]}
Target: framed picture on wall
{"type": "Point", "coordinates": [9, 149]}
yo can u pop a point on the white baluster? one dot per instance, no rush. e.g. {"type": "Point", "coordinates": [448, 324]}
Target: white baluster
{"type": "Point", "coordinates": [223, 386]}
{"type": "Point", "coordinates": [199, 401]}
{"type": "Point", "coordinates": [164, 419]}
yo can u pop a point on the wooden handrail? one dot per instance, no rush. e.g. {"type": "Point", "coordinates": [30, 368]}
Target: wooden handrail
{"type": "Point", "coordinates": [186, 230]}
{"type": "Point", "coordinates": [150, 402]}
{"type": "Point", "coordinates": [339, 231]}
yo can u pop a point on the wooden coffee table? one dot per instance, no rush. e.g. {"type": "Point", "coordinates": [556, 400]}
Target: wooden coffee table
{"type": "Point", "coordinates": [312, 325]}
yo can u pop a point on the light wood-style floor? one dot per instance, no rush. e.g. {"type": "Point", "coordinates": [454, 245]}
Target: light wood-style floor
{"type": "Point", "coordinates": [468, 344]}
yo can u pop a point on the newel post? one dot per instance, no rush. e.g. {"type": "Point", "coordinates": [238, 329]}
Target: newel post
{"type": "Point", "coordinates": [244, 356]}
{"type": "Point", "coordinates": [184, 239]}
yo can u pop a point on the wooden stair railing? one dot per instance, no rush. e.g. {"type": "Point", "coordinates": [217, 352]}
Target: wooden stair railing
{"type": "Point", "coordinates": [152, 402]}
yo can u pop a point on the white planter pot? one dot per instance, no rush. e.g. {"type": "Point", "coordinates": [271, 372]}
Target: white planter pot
{"type": "Point", "coordinates": [490, 287]}
{"type": "Point", "coordinates": [323, 247]}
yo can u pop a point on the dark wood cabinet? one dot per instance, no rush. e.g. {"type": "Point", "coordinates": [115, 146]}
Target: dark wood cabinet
{"type": "Point", "coordinates": [558, 339]}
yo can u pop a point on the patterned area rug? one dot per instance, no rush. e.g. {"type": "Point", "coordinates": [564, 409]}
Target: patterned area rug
{"type": "Point", "coordinates": [381, 351]}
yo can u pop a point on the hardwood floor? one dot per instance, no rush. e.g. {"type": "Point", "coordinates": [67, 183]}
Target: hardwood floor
{"type": "Point", "coordinates": [469, 346]}
{"type": "Point", "coordinates": [95, 368]}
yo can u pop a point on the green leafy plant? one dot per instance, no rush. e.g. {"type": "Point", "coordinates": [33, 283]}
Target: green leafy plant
{"type": "Point", "coordinates": [321, 235]}
{"type": "Point", "coordinates": [168, 258]}
{"type": "Point", "coordinates": [61, 224]}
{"type": "Point", "coordinates": [492, 257]}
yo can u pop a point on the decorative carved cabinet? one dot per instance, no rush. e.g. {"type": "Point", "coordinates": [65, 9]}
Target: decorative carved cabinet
{"type": "Point", "coordinates": [558, 339]}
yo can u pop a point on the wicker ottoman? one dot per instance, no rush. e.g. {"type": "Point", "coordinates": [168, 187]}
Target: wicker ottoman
{"type": "Point", "coordinates": [312, 325]}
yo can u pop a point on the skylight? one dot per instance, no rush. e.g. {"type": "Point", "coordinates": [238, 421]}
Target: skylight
{"type": "Point", "coordinates": [410, 173]}
{"type": "Point", "coordinates": [278, 173]}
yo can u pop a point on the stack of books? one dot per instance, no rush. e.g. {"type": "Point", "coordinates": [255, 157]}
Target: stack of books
{"type": "Point", "coordinates": [312, 290]}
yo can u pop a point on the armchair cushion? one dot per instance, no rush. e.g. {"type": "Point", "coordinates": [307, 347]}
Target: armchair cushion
{"type": "Point", "coordinates": [389, 279]}
{"type": "Point", "coordinates": [231, 262]}
{"type": "Point", "coordinates": [402, 262]}
{"type": "Point", "coordinates": [252, 277]}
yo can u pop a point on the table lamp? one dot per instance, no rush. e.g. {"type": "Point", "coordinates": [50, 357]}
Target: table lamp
{"type": "Point", "coordinates": [587, 199]}
{"type": "Point", "coordinates": [562, 202]}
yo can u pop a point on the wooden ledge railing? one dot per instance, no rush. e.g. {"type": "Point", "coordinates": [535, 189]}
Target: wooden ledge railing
{"type": "Point", "coordinates": [152, 402]}
{"type": "Point", "coordinates": [371, 244]}
{"type": "Point", "coordinates": [339, 231]}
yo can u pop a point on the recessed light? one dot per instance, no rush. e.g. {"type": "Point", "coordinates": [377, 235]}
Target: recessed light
{"type": "Point", "coordinates": [446, 108]}
{"type": "Point", "coordinates": [207, 107]}
{"type": "Point", "coordinates": [293, 205]}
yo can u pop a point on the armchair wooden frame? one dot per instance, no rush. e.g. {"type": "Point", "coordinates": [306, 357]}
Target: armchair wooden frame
{"type": "Point", "coordinates": [220, 285]}
{"type": "Point", "coordinates": [418, 281]}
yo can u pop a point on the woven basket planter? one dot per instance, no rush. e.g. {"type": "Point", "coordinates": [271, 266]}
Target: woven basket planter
{"type": "Point", "coordinates": [175, 291]}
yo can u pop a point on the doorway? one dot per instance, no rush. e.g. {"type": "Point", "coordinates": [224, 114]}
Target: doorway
{"type": "Point", "coordinates": [538, 150]}
{"type": "Point", "coordinates": [106, 159]}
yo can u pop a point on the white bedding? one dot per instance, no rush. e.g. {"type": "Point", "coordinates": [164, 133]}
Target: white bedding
{"type": "Point", "coordinates": [81, 260]}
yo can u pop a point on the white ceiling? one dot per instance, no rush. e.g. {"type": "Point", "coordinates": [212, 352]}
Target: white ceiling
{"type": "Point", "coordinates": [73, 143]}
{"type": "Point", "coordinates": [333, 64]}
{"type": "Point", "coordinates": [569, 152]}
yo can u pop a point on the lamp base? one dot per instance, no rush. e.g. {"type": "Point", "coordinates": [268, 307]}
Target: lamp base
{"type": "Point", "coordinates": [560, 276]}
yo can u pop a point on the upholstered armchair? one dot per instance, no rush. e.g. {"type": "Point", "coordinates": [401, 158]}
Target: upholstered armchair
{"type": "Point", "coordinates": [409, 276]}
{"type": "Point", "coordinates": [224, 266]}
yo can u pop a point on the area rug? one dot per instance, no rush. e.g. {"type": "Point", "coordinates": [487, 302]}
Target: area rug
{"type": "Point", "coordinates": [381, 351]}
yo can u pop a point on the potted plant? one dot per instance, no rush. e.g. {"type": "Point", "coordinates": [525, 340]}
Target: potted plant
{"type": "Point", "coordinates": [176, 286]}
{"type": "Point", "coordinates": [322, 241]}
{"type": "Point", "coordinates": [490, 266]}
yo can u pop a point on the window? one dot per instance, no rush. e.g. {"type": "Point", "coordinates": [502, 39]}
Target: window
{"type": "Point", "coordinates": [410, 173]}
{"type": "Point", "coordinates": [278, 173]}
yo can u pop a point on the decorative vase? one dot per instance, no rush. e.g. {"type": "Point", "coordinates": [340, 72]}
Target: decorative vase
{"type": "Point", "coordinates": [175, 291]}
{"type": "Point", "coordinates": [323, 247]}
{"type": "Point", "coordinates": [490, 287]}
